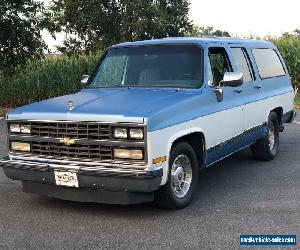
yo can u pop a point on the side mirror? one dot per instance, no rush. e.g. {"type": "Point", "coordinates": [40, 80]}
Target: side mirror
{"type": "Point", "coordinates": [84, 80]}
{"type": "Point", "coordinates": [233, 79]}
{"type": "Point", "coordinates": [230, 79]}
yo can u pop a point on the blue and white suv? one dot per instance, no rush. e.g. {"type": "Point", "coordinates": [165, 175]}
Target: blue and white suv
{"type": "Point", "coordinates": [151, 116]}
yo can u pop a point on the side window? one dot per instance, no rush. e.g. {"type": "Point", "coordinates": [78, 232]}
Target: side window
{"type": "Point", "coordinates": [268, 63]}
{"type": "Point", "coordinates": [242, 63]}
{"type": "Point", "coordinates": [219, 63]}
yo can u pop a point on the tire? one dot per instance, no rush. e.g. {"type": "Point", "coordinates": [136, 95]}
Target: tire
{"type": "Point", "coordinates": [177, 194]}
{"type": "Point", "coordinates": [267, 148]}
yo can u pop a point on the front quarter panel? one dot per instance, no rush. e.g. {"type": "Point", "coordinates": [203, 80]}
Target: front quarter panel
{"type": "Point", "coordinates": [160, 143]}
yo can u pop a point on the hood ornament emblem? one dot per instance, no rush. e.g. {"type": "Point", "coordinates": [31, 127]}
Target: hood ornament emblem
{"type": "Point", "coordinates": [70, 105]}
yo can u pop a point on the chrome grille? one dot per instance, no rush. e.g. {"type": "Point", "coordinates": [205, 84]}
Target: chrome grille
{"type": "Point", "coordinates": [75, 151]}
{"type": "Point", "coordinates": [75, 141]}
{"type": "Point", "coordinates": [90, 131]}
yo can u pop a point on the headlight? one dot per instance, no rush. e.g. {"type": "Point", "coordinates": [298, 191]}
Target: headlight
{"type": "Point", "coordinates": [25, 129]}
{"type": "Point", "coordinates": [136, 133]}
{"type": "Point", "coordinates": [20, 146]}
{"type": "Point", "coordinates": [15, 128]}
{"type": "Point", "coordinates": [134, 154]}
{"type": "Point", "coordinates": [19, 128]}
{"type": "Point", "coordinates": [120, 133]}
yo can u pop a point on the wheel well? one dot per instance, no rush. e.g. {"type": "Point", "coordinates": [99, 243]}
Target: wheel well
{"type": "Point", "coordinates": [279, 113]}
{"type": "Point", "coordinates": [197, 141]}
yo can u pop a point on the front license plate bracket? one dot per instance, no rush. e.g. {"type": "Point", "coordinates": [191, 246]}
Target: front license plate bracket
{"type": "Point", "coordinates": [66, 178]}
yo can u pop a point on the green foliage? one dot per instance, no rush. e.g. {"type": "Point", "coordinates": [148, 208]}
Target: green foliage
{"type": "Point", "coordinates": [290, 50]}
{"type": "Point", "coordinates": [295, 33]}
{"type": "Point", "coordinates": [45, 78]}
{"type": "Point", "coordinates": [97, 24]}
{"type": "Point", "coordinates": [3, 111]}
{"type": "Point", "coordinates": [297, 101]}
{"type": "Point", "coordinates": [207, 31]}
{"type": "Point", "coordinates": [21, 22]}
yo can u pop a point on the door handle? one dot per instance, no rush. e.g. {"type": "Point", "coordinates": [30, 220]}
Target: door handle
{"type": "Point", "coordinates": [238, 91]}
{"type": "Point", "coordinates": [258, 87]}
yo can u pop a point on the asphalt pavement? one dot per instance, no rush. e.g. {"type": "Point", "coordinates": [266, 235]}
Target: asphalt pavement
{"type": "Point", "coordinates": [239, 195]}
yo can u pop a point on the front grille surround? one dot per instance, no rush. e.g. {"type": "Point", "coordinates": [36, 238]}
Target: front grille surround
{"type": "Point", "coordinates": [93, 142]}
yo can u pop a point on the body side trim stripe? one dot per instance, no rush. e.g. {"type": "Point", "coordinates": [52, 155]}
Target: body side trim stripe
{"type": "Point", "coordinates": [211, 163]}
{"type": "Point", "coordinates": [248, 131]}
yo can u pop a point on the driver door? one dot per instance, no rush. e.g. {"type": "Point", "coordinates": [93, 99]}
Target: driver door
{"type": "Point", "coordinates": [227, 124]}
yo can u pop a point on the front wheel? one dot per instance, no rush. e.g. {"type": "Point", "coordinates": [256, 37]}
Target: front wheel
{"type": "Point", "coordinates": [267, 148]}
{"type": "Point", "coordinates": [182, 179]}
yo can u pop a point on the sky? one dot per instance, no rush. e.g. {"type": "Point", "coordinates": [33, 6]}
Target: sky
{"type": "Point", "coordinates": [244, 17]}
{"type": "Point", "coordinates": [238, 17]}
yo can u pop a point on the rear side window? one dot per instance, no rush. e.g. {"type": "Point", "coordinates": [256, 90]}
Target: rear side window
{"type": "Point", "coordinates": [268, 63]}
{"type": "Point", "coordinates": [242, 63]}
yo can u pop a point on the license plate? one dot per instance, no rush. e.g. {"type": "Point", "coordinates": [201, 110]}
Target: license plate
{"type": "Point", "coordinates": [67, 179]}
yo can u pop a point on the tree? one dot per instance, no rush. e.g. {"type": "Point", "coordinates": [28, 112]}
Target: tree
{"type": "Point", "coordinates": [20, 24]}
{"type": "Point", "coordinates": [207, 31]}
{"type": "Point", "coordinates": [97, 24]}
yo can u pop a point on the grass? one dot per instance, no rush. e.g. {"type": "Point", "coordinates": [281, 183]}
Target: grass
{"type": "Point", "coordinates": [297, 101]}
{"type": "Point", "coordinates": [4, 111]}
{"type": "Point", "coordinates": [43, 79]}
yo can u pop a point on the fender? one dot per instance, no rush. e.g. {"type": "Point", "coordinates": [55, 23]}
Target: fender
{"type": "Point", "coordinates": [176, 136]}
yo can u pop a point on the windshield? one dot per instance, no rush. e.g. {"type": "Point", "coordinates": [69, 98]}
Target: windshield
{"type": "Point", "coordinates": [174, 66]}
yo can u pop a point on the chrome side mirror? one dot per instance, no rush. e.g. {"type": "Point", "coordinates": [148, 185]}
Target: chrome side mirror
{"type": "Point", "coordinates": [84, 80]}
{"type": "Point", "coordinates": [232, 79]}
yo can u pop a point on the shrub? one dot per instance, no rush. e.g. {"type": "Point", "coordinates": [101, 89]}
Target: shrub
{"type": "Point", "coordinates": [46, 78]}
{"type": "Point", "coordinates": [290, 50]}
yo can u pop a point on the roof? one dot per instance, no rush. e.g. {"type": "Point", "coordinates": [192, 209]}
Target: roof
{"type": "Point", "coordinates": [198, 40]}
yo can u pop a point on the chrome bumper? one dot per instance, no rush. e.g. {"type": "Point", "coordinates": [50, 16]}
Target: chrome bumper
{"type": "Point", "coordinates": [97, 177]}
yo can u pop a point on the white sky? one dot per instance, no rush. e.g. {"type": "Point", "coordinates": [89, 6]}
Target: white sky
{"type": "Point", "coordinates": [244, 17]}
{"type": "Point", "coordinates": [239, 17]}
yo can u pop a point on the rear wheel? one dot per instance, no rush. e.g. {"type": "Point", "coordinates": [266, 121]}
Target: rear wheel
{"type": "Point", "coordinates": [267, 148]}
{"type": "Point", "coordinates": [182, 179]}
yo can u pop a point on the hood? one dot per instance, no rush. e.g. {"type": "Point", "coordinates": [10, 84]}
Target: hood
{"type": "Point", "coordinates": [111, 105]}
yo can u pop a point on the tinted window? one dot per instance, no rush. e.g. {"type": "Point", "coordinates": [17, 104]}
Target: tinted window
{"type": "Point", "coordinates": [219, 63]}
{"type": "Point", "coordinates": [268, 63]}
{"type": "Point", "coordinates": [179, 66]}
{"type": "Point", "coordinates": [242, 63]}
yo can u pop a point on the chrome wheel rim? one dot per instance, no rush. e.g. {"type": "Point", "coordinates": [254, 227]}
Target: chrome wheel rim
{"type": "Point", "coordinates": [181, 175]}
{"type": "Point", "coordinates": [271, 135]}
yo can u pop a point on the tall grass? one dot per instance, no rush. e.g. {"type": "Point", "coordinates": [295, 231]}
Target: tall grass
{"type": "Point", "coordinates": [55, 76]}
{"type": "Point", "coordinates": [290, 51]}
{"type": "Point", "coordinates": [46, 78]}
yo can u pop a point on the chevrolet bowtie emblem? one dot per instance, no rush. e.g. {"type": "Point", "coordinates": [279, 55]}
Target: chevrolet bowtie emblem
{"type": "Point", "coordinates": [67, 141]}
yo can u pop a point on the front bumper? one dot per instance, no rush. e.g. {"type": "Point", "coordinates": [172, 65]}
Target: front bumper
{"type": "Point", "coordinates": [96, 184]}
